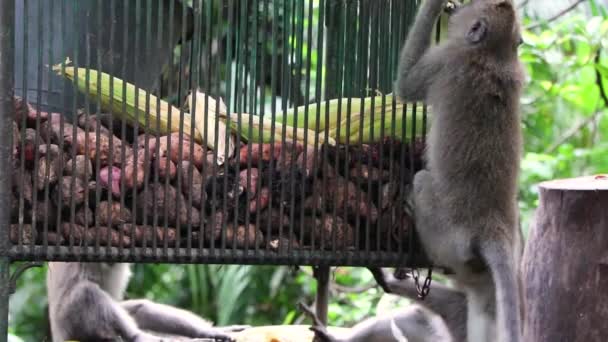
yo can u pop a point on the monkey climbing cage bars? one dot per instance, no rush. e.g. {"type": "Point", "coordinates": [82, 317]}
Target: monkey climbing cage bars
{"type": "Point", "coordinates": [299, 154]}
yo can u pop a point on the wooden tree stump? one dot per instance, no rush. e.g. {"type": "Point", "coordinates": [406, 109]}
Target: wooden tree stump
{"type": "Point", "coordinates": [565, 263]}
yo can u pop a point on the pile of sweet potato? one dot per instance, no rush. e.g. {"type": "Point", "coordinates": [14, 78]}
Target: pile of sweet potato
{"type": "Point", "coordinates": [95, 180]}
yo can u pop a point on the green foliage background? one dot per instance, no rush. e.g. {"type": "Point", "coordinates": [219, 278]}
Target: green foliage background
{"type": "Point", "coordinates": [565, 123]}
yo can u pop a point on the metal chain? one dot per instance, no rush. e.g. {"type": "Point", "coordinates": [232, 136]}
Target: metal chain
{"type": "Point", "coordinates": [426, 287]}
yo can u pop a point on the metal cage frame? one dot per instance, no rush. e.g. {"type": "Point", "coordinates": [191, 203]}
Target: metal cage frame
{"type": "Point", "coordinates": [360, 37]}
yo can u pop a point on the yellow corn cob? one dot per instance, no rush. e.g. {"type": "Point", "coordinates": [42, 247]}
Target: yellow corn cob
{"type": "Point", "coordinates": [249, 130]}
{"type": "Point", "coordinates": [356, 110]}
{"type": "Point", "coordinates": [114, 102]}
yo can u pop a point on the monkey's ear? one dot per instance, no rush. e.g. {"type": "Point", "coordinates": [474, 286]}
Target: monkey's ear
{"type": "Point", "coordinates": [477, 31]}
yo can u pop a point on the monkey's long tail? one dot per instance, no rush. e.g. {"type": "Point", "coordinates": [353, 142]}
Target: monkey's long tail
{"type": "Point", "coordinates": [502, 265]}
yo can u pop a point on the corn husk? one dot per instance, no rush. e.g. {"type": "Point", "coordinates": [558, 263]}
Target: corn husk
{"type": "Point", "coordinates": [248, 127]}
{"type": "Point", "coordinates": [343, 121]}
{"type": "Point", "coordinates": [207, 120]}
{"type": "Point", "coordinates": [166, 115]}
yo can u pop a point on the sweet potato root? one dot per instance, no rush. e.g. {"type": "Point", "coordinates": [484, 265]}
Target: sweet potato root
{"type": "Point", "coordinates": [111, 214]}
{"type": "Point", "coordinates": [249, 179]}
{"type": "Point", "coordinates": [80, 167]}
{"type": "Point", "coordinates": [113, 184]}
{"type": "Point", "coordinates": [92, 123]}
{"type": "Point", "coordinates": [70, 190]}
{"type": "Point", "coordinates": [52, 238]}
{"type": "Point", "coordinates": [149, 233]}
{"type": "Point", "coordinates": [25, 112]}
{"type": "Point", "coordinates": [84, 216]}
{"type": "Point", "coordinates": [367, 172]}
{"type": "Point", "coordinates": [166, 168]}
{"type": "Point", "coordinates": [345, 197]}
{"type": "Point", "coordinates": [282, 245]}
{"type": "Point", "coordinates": [50, 149]}
{"type": "Point", "coordinates": [48, 171]}
{"type": "Point", "coordinates": [42, 212]}
{"type": "Point", "coordinates": [25, 234]}
{"type": "Point", "coordinates": [172, 150]}
{"type": "Point", "coordinates": [167, 204]}
{"type": "Point", "coordinates": [16, 142]}
{"type": "Point", "coordinates": [194, 188]}
{"type": "Point", "coordinates": [243, 236]}
{"type": "Point", "coordinates": [271, 218]}
{"type": "Point", "coordinates": [22, 184]}
{"type": "Point", "coordinates": [309, 162]}
{"type": "Point", "coordinates": [29, 145]}
{"type": "Point", "coordinates": [82, 235]}
{"type": "Point", "coordinates": [261, 200]}
{"type": "Point", "coordinates": [213, 230]}
{"type": "Point", "coordinates": [324, 229]}
{"type": "Point", "coordinates": [72, 136]}
{"type": "Point", "coordinates": [86, 143]}
{"type": "Point", "coordinates": [260, 153]}
{"type": "Point", "coordinates": [289, 155]}
{"type": "Point", "coordinates": [134, 169]}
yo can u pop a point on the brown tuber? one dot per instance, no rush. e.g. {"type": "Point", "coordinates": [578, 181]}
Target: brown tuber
{"type": "Point", "coordinates": [29, 145]}
{"type": "Point", "coordinates": [134, 169]}
{"type": "Point", "coordinates": [48, 171]}
{"type": "Point", "coordinates": [166, 203]}
{"type": "Point", "coordinates": [283, 244]}
{"type": "Point", "coordinates": [169, 146]}
{"type": "Point", "coordinates": [343, 195]}
{"type": "Point", "coordinates": [70, 190]}
{"type": "Point", "coordinates": [84, 216]}
{"type": "Point", "coordinates": [111, 214]}
{"type": "Point", "coordinates": [166, 168]}
{"type": "Point", "coordinates": [308, 161]}
{"type": "Point", "coordinates": [328, 229]}
{"type": "Point", "coordinates": [42, 212]}
{"type": "Point", "coordinates": [249, 179]}
{"type": "Point", "coordinates": [260, 201]}
{"type": "Point", "coordinates": [79, 167]}
{"type": "Point", "coordinates": [139, 234]}
{"type": "Point", "coordinates": [92, 123]}
{"type": "Point", "coordinates": [243, 236]}
{"type": "Point", "coordinates": [367, 172]}
{"type": "Point", "coordinates": [260, 153]}
{"type": "Point", "coordinates": [22, 184]}
{"type": "Point", "coordinates": [25, 234]}
{"type": "Point", "coordinates": [273, 219]}
{"type": "Point", "coordinates": [194, 188]}
{"type": "Point", "coordinates": [82, 235]}
{"type": "Point", "coordinates": [109, 178]}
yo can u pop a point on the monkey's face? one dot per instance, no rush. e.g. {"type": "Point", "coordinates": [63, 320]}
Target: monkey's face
{"type": "Point", "coordinates": [492, 24]}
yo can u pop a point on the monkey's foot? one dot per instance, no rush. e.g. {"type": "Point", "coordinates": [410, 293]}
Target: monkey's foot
{"type": "Point", "coordinates": [380, 278]}
{"type": "Point", "coordinates": [401, 273]}
{"type": "Point", "coordinates": [322, 334]}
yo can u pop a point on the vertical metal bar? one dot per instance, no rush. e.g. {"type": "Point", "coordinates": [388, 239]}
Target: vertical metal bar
{"type": "Point", "coordinates": [322, 302]}
{"type": "Point", "coordinates": [318, 96]}
{"type": "Point", "coordinates": [306, 114]}
{"type": "Point", "coordinates": [7, 47]}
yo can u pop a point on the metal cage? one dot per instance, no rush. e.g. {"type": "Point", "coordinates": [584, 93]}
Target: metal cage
{"type": "Point", "coordinates": [323, 155]}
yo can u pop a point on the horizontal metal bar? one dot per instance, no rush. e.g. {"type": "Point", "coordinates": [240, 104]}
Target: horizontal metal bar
{"type": "Point", "coordinates": [207, 256]}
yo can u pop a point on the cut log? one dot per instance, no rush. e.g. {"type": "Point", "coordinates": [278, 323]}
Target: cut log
{"type": "Point", "coordinates": [565, 264]}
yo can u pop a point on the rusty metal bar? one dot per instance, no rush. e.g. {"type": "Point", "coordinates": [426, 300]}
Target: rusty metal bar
{"type": "Point", "coordinates": [7, 48]}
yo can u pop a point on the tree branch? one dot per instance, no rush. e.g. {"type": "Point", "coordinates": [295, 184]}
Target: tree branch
{"type": "Point", "coordinates": [598, 77]}
{"type": "Point", "coordinates": [556, 16]}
